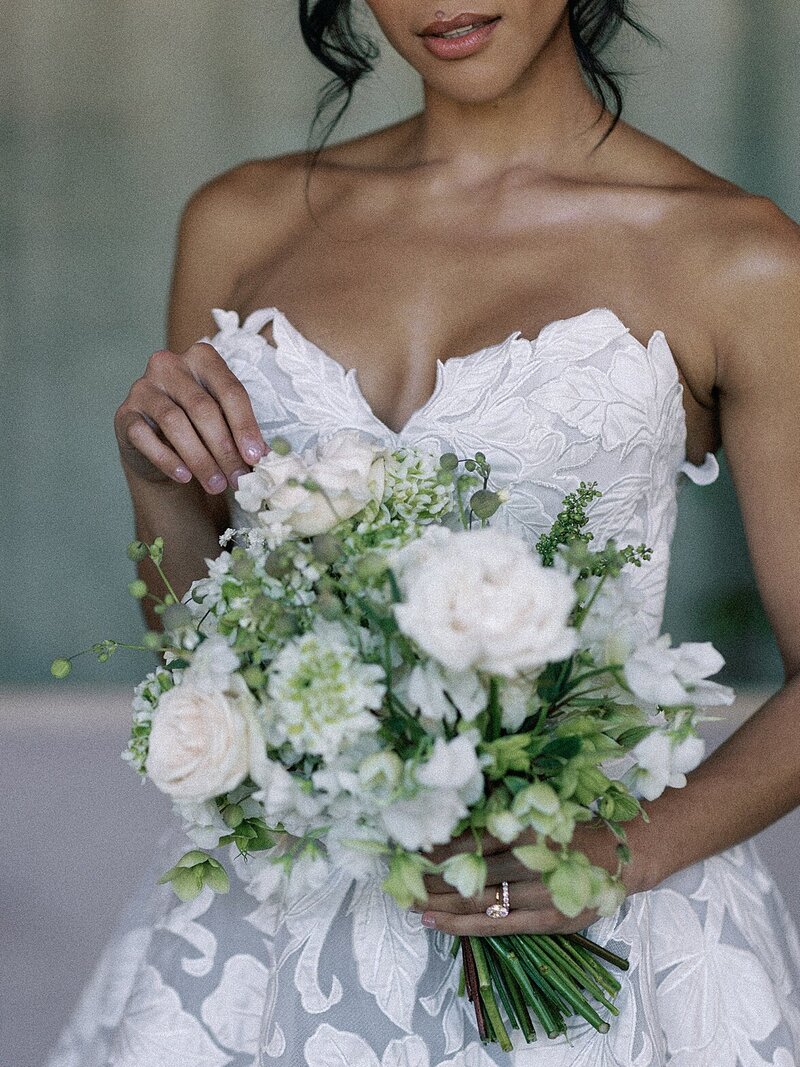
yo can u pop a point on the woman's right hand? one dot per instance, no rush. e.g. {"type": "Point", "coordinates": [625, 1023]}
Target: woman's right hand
{"type": "Point", "coordinates": [188, 416]}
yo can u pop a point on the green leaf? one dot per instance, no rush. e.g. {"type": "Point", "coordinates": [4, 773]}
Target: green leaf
{"type": "Point", "coordinates": [217, 877]}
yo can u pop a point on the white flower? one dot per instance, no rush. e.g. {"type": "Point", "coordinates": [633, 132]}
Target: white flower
{"type": "Point", "coordinates": [205, 742]}
{"type": "Point", "coordinates": [453, 765]}
{"type": "Point", "coordinates": [430, 685]}
{"type": "Point", "coordinates": [202, 822]}
{"type": "Point", "coordinates": [482, 599]}
{"type": "Point", "coordinates": [321, 694]}
{"type": "Point", "coordinates": [285, 801]}
{"type": "Point", "coordinates": [609, 629]}
{"type": "Point", "coordinates": [357, 849]}
{"type": "Point", "coordinates": [466, 872]}
{"type": "Point", "coordinates": [413, 490]}
{"type": "Point", "coordinates": [213, 662]}
{"type": "Point", "coordinates": [425, 820]}
{"type": "Point", "coordinates": [518, 700]}
{"type": "Point", "coordinates": [345, 473]}
{"type": "Point", "coordinates": [686, 755]}
{"type": "Point", "coordinates": [668, 676]}
{"type": "Point", "coordinates": [661, 762]}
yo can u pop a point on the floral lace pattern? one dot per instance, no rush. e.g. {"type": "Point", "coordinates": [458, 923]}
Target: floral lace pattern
{"type": "Point", "coordinates": [339, 976]}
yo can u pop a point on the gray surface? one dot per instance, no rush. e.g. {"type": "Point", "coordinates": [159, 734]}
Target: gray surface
{"type": "Point", "coordinates": [78, 829]}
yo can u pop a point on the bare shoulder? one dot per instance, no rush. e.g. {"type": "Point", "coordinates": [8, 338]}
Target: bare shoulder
{"type": "Point", "coordinates": [227, 225]}
{"type": "Point", "coordinates": [731, 257]}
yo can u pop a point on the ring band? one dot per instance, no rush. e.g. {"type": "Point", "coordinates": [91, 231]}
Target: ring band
{"type": "Point", "coordinates": [502, 904]}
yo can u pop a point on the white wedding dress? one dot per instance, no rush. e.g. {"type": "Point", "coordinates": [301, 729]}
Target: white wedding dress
{"type": "Point", "coordinates": [342, 977]}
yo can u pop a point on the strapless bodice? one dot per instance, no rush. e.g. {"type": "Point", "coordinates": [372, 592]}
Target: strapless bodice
{"type": "Point", "coordinates": [583, 401]}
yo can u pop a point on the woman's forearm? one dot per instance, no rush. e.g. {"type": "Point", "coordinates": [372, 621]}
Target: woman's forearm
{"type": "Point", "coordinates": [189, 520]}
{"type": "Point", "coordinates": [748, 783]}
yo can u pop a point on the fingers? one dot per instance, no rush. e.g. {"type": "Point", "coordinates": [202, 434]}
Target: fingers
{"type": "Point", "coordinates": [532, 895]}
{"type": "Point", "coordinates": [518, 921]}
{"type": "Point", "coordinates": [233, 400]}
{"type": "Point", "coordinates": [137, 432]}
{"type": "Point", "coordinates": [189, 416]}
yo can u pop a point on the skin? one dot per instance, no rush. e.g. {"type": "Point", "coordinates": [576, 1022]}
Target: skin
{"type": "Point", "coordinates": [494, 209]}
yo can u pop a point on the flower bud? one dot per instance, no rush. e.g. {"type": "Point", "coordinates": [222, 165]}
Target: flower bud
{"type": "Point", "coordinates": [326, 548]}
{"type": "Point", "coordinates": [448, 461]}
{"type": "Point", "coordinates": [137, 588]}
{"type": "Point", "coordinates": [177, 617]}
{"type": "Point", "coordinates": [152, 640]}
{"type": "Point", "coordinates": [280, 445]}
{"type": "Point", "coordinates": [137, 551]}
{"type": "Point", "coordinates": [254, 677]}
{"type": "Point", "coordinates": [60, 668]}
{"type": "Point", "coordinates": [484, 503]}
{"type": "Point", "coordinates": [277, 564]}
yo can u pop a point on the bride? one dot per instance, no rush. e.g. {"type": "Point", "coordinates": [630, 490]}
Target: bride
{"type": "Point", "coordinates": [515, 269]}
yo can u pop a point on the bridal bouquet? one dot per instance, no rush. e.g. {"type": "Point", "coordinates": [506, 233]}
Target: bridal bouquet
{"type": "Point", "coordinates": [371, 669]}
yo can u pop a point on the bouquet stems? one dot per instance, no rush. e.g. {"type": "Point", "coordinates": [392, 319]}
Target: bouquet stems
{"type": "Point", "coordinates": [549, 978]}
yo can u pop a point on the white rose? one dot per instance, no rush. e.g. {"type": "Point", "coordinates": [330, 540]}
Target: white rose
{"type": "Point", "coordinates": [668, 676]}
{"type": "Point", "coordinates": [482, 599]}
{"type": "Point", "coordinates": [348, 471]}
{"type": "Point", "coordinates": [203, 742]}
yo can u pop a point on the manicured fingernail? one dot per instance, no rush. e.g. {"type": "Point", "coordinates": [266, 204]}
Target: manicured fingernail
{"type": "Point", "coordinates": [183, 474]}
{"type": "Point", "coordinates": [428, 920]}
{"type": "Point", "coordinates": [233, 481]}
{"type": "Point", "coordinates": [217, 481]}
{"type": "Point", "coordinates": [253, 449]}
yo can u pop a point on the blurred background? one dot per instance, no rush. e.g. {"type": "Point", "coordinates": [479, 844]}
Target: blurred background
{"type": "Point", "coordinates": [111, 115]}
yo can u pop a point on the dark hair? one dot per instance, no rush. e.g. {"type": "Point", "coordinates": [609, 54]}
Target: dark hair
{"type": "Point", "coordinates": [328, 31]}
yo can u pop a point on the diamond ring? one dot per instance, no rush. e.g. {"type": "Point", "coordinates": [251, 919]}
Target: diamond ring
{"type": "Point", "coordinates": [501, 906]}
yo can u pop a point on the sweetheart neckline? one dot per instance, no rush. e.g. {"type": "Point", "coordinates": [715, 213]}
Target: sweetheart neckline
{"type": "Point", "coordinates": [350, 374]}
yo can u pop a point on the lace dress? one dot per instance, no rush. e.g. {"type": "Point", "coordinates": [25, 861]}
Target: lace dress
{"type": "Point", "coordinates": [340, 976]}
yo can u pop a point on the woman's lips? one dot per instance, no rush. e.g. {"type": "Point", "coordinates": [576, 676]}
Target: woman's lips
{"type": "Point", "coordinates": [458, 47]}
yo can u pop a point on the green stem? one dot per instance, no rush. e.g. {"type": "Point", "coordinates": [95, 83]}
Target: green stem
{"type": "Point", "coordinates": [487, 996]}
{"type": "Point", "coordinates": [598, 950]}
{"type": "Point", "coordinates": [494, 728]}
{"type": "Point", "coordinates": [549, 1015]}
{"type": "Point", "coordinates": [563, 983]}
{"type": "Point", "coordinates": [582, 975]}
{"type": "Point", "coordinates": [517, 999]}
{"type": "Point", "coordinates": [587, 960]}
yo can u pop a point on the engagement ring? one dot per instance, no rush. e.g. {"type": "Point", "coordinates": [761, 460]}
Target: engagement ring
{"type": "Point", "coordinates": [502, 905]}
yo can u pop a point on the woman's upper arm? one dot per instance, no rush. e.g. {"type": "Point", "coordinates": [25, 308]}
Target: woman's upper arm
{"type": "Point", "coordinates": [759, 406]}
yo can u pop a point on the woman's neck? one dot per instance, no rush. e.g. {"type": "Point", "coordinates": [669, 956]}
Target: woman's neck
{"type": "Point", "coordinates": [546, 118]}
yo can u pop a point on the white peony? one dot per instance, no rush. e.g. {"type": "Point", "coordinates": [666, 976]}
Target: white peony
{"type": "Point", "coordinates": [669, 677]}
{"type": "Point", "coordinates": [204, 742]}
{"type": "Point", "coordinates": [321, 695]}
{"type": "Point", "coordinates": [482, 599]}
{"type": "Point", "coordinates": [310, 493]}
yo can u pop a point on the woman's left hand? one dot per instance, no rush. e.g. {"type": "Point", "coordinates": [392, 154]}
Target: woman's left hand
{"type": "Point", "coordinates": [532, 910]}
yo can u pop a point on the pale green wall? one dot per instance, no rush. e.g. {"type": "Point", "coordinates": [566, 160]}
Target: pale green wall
{"type": "Point", "coordinates": [112, 113]}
